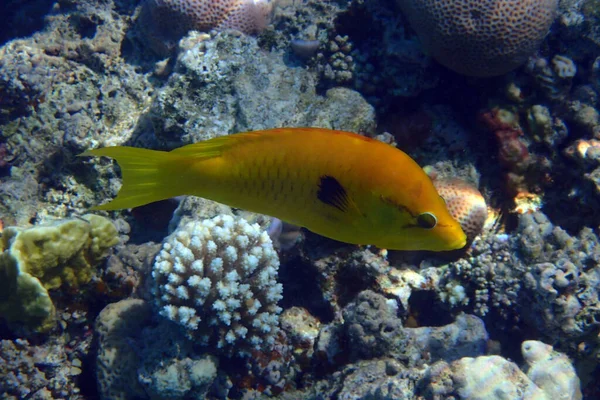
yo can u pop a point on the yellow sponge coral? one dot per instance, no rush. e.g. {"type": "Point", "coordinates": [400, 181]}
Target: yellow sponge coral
{"type": "Point", "coordinates": [45, 257]}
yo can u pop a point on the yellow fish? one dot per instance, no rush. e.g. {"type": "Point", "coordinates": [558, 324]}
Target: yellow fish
{"type": "Point", "coordinates": [338, 184]}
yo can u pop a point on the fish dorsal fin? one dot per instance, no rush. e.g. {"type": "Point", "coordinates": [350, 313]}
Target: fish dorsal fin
{"type": "Point", "coordinates": [333, 193]}
{"type": "Point", "coordinates": [207, 149]}
{"type": "Point", "coordinates": [214, 147]}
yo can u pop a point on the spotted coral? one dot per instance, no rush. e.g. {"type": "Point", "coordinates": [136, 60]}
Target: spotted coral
{"type": "Point", "coordinates": [465, 203]}
{"type": "Point", "coordinates": [480, 38]}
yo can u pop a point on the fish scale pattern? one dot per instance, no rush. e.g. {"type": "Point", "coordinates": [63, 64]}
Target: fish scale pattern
{"type": "Point", "coordinates": [218, 279]}
{"type": "Point", "coordinates": [480, 37]}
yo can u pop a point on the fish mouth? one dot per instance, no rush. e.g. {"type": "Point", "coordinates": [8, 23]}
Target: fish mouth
{"type": "Point", "coordinates": [458, 243]}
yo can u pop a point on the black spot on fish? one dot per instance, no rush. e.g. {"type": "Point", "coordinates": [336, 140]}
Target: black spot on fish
{"type": "Point", "coordinates": [331, 192]}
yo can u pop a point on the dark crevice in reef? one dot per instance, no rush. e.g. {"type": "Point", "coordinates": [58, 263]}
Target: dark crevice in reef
{"type": "Point", "coordinates": [301, 289]}
{"type": "Point", "coordinates": [21, 18]}
{"type": "Point", "coordinates": [350, 282]}
{"type": "Point", "coordinates": [425, 310]}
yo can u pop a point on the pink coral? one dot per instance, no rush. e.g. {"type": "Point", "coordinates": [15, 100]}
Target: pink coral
{"type": "Point", "coordinates": [480, 37]}
{"type": "Point", "coordinates": [176, 17]}
{"type": "Point", "coordinates": [512, 149]}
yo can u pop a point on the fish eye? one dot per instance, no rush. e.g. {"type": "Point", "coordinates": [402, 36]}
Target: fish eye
{"type": "Point", "coordinates": [426, 220]}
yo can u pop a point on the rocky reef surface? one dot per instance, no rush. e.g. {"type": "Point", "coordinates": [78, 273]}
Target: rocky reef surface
{"type": "Point", "coordinates": [188, 298]}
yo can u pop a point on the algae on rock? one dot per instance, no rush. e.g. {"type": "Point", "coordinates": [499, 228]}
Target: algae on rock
{"type": "Point", "coordinates": [45, 257]}
{"type": "Point", "coordinates": [213, 92]}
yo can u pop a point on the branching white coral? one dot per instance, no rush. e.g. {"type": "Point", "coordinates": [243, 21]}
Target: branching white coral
{"type": "Point", "coordinates": [218, 279]}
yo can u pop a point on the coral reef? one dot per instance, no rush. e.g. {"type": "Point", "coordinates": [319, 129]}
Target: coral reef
{"type": "Point", "coordinates": [464, 35]}
{"type": "Point", "coordinates": [339, 66]}
{"type": "Point", "coordinates": [218, 279]}
{"type": "Point", "coordinates": [169, 368]}
{"type": "Point", "coordinates": [377, 379]}
{"type": "Point", "coordinates": [37, 372]}
{"type": "Point", "coordinates": [492, 377]}
{"type": "Point", "coordinates": [482, 377]}
{"type": "Point", "coordinates": [487, 377]}
{"type": "Point", "coordinates": [562, 299]}
{"type": "Point", "coordinates": [550, 371]}
{"type": "Point", "coordinates": [513, 151]}
{"type": "Point", "coordinates": [180, 379]}
{"type": "Point", "coordinates": [542, 279]}
{"type": "Point", "coordinates": [370, 45]}
{"type": "Point", "coordinates": [46, 257]}
{"type": "Point", "coordinates": [302, 328]}
{"type": "Point", "coordinates": [373, 329]}
{"type": "Point", "coordinates": [139, 359]}
{"type": "Point", "coordinates": [554, 78]}
{"type": "Point", "coordinates": [212, 93]}
{"type": "Point", "coordinates": [335, 320]}
{"type": "Point", "coordinates": [490, 278]}
{"type": "Point", "coordinates": [63, 90]}
{"type": "Point", "coordinates": [116, 362]}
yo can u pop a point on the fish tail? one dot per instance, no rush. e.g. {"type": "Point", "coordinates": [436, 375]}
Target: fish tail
{"type": "Point", "coordinates": [148, 175]}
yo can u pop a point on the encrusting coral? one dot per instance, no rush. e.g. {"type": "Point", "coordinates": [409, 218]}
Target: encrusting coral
{"type": "Point", "coordinates": [117, 361]}
{"type": "Point", "coordinates": [160, 364]}
{"type": "Point", "coordinates": [218, 279]}
{"type": "Point", "coordinates": [47, 257]}
{"type": "Point", "coordinates": [551, 371]}
{"type": "Point", "coordinates": [548, 375]}
{"type": "Point", "coordinates": [480, 38]}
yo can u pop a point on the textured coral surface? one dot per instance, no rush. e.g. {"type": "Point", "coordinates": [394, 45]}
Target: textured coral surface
{"type": "Point", "coordinates": [218, 279]}
{"type": "Point", "coordinates": [180, 16]}
{"type": "Point", "coordinates": [480, 37]}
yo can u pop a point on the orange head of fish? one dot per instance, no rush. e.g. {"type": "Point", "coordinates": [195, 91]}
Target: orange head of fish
{"type": "Point", "coordinates": [416, 219]}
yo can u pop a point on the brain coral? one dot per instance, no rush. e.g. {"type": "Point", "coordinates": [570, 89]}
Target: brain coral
{"type": "Point", "coordinates": [218, 279]}
{"type": "Point", "coordinates": [480, 37]}
{"type": "Point", "coordinates": [176, 17]}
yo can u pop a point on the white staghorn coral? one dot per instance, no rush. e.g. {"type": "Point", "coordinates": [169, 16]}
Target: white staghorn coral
{"type": "Point", "coordinates": [218, 279]}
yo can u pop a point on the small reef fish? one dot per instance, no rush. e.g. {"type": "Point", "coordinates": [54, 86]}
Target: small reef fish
{"type": "Point", "coordinates": [341, 185]}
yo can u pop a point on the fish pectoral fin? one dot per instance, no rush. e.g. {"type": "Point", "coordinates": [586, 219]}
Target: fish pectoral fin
{"type": "Point", "coordinates": [332, 193]}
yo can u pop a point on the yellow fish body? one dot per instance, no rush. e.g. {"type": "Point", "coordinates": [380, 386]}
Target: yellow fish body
{"type": "Point", "coordinates": [338, 184]}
